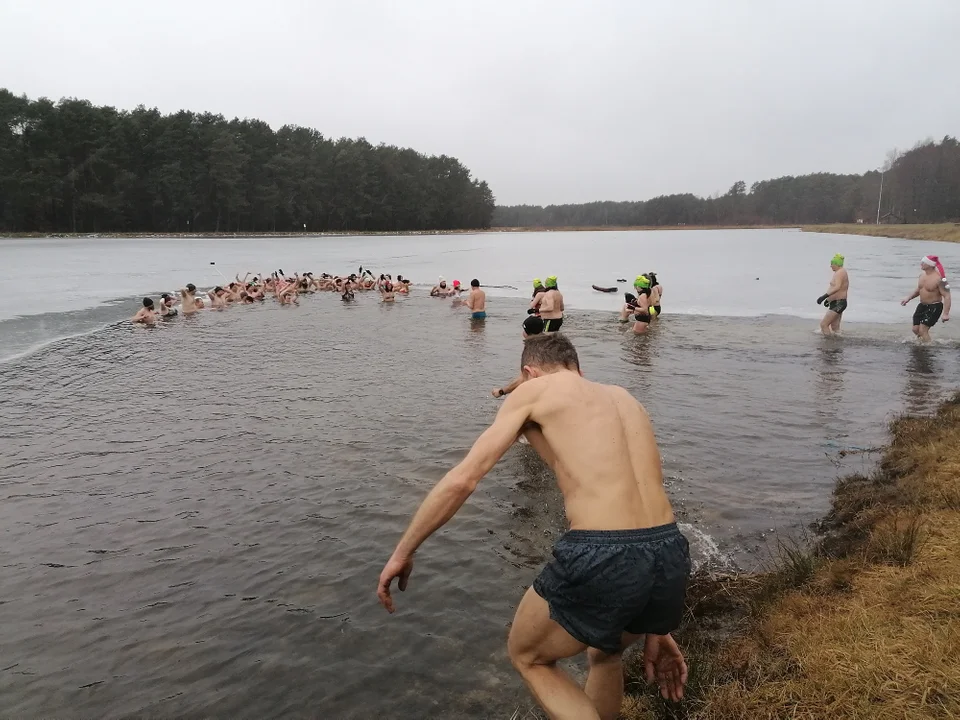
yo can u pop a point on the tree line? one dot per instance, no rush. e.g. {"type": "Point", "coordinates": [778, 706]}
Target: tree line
{"type": "Point", "coordinates": [919, 186]}
{"type": "Point", "coordinates": [71, 166]}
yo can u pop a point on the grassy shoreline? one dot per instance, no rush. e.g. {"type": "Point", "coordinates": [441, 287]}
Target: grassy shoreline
{"type": "Point", "coordinates": [943, 232]}
{"type": "Point", "coordinates": [866, 624]}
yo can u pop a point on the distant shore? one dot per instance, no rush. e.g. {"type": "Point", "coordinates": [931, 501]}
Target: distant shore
{"type": "Point", "coordinates": [943, 232]}
{"type": "Point", "coordinates": [864, 620]}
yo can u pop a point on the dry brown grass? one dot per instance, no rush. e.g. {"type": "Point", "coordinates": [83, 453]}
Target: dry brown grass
{"type": "Point", "coordinates": [946, 232]}
{"type": "Point", "coordinates": [868, 628]}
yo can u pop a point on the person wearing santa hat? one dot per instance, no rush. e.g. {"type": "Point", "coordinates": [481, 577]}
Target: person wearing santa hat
{"type": "Point", "coordinates": [934, 293]}
{"type": "Point", "coordinates": [835, 298]}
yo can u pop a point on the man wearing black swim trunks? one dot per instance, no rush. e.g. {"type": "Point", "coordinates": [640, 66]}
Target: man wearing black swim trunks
{"type": "Point", "coordinates": [619, 575]}
{"type": "Point", "coordinates": [934, 293]}
{"type": "Point", "coordinates": [835, 298]}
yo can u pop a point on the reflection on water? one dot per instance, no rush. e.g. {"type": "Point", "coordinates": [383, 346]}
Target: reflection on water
{"type": "Point", "coordinates": [830, 371]}
{"type": "Point", "coordinates": [921, 391]}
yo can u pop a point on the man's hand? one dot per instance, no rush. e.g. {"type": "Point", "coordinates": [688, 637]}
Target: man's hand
{"type": "Point", "coordinates": [395, 568]}
{"type": "Point", "coordinates": [905, 301]}
{"type": "Point", "coordinates": [663, 663]}
{"type": "Point", "coordinates": [495, 392]}
{"type": "Point", "coordinates": [822, 298]}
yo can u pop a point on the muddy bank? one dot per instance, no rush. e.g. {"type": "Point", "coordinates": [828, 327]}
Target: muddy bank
{"type": "Point", "coordinates": [866, 624]}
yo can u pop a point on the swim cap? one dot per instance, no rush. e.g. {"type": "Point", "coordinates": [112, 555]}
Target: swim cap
{"type": "Point", "coordinates": [537, 283]}
{"type": "Point", "coordinates": [642, 281]}
{"type": "Point", "coordinates": [837, 260]}
{"type": "Point", "coordinates": [552, 281]}
{"type": "Point", "coordinates": [456, 283]}
{"type": "Point", "coordinates": [442, 279]}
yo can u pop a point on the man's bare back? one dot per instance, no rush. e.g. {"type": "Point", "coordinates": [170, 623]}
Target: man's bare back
{"type": "Point", "coordinates": [599, 442]}
{"type": "Point", "coordinates": [477, 300]}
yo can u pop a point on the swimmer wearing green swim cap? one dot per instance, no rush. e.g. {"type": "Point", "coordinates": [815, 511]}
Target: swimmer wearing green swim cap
{"type": "Point", "coordinates": [640, 306]}
{"type": "Point", "coordinates": [550, 306]}
{"type": "Point", "coordinates": [835, 298]}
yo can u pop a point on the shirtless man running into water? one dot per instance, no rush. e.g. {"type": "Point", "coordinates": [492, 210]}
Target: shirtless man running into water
{"type": "Point", "coordinates": [934, 293]}
{"type": "Point", "coordinates": [835, 298]}
{"type": "Point", "coordinates": [619, 575]}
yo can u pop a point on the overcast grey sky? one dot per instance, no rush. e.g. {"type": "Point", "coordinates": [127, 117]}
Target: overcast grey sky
{"type": "Point", "coordinates": [550, 101]}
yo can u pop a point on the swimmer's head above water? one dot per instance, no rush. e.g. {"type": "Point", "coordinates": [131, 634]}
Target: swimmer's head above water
{"type": "Point", "coordinates": [642, 282]}
{"type": "Point", "coordinates": [148, 303]}
{"type": "Point", "coordinates": [551, 282]}
{"type": "Point", "coordinates": [837, 261]}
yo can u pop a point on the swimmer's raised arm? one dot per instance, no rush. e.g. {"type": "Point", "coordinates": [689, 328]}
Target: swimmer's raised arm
{"type": "Point", "coordinates": [449, 495]}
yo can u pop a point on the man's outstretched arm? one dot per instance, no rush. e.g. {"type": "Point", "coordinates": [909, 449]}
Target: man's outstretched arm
{"type": "Point", "coordinates": [452, 491]}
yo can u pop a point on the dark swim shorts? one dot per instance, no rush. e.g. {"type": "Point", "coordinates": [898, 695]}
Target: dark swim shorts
{"type": "Point", "coordinates": [601, 583]}
{"type": "Point", "coordinates": [837, 306]}
{"type": "Point", "coordinates": [927, 314]}
{"type": "Point", "coordinates": [552, 325]}
{"type": "Point", "coordinates": [642, 317]}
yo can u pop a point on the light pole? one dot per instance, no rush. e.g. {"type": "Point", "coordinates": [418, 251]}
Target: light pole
{"type": "Point", "coordinates": [880, 198]}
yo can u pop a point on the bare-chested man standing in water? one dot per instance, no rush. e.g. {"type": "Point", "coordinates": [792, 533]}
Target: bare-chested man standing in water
{"type": "Point", "coordinates": [619, 575]}
{"type": "Point", "coordinates": [550, 306]}
{"type": "Point", "coordinates": [187, 299]}
{"type": "Point", "coordinates": [147, 314]}
{"type": "Point", "coordinates": [835, 298]}
{"type": "Point", "coordinates": [934, 293]}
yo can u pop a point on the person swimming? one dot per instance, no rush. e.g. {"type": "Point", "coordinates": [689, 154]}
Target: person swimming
{"type": "Point", "coordinates": [146, 315]}
{"type": "Point", "coordinates": [440, 289]}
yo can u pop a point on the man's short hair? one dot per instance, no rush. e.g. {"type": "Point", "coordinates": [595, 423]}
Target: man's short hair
{"type": "Point", "coordinates": [550, 350]}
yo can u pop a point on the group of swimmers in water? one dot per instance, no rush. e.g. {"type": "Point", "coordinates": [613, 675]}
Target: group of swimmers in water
{"type": "Point", "coordinates": [932, 289]}
{"type": "Point", "coordinates": [286, 290]}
